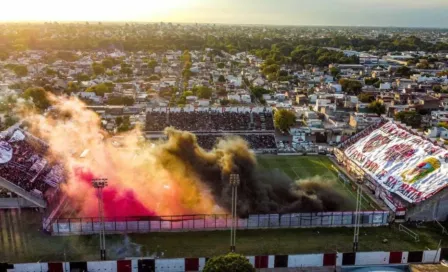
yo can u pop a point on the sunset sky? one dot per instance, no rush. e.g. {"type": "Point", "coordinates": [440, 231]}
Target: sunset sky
{"type": "Point", "coordinates": [428, 13]}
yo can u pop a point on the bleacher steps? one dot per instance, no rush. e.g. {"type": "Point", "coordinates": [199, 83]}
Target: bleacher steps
{"type": "Point", "coordinates": [22, 193]}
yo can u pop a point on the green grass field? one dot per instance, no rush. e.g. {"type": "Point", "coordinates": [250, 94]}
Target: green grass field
{"type": "Point", "coordinates": [21, 238]}
{"type": "Point", "coordinates": [303, 167]}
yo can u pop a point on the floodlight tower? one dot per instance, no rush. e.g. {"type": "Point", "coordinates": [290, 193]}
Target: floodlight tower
{"type": "Point", "coordinates": [99, 184]}
{"type": "Point", "coordinates": [357, 217]}
{"type": "Point", "coordinates": [234, 180]}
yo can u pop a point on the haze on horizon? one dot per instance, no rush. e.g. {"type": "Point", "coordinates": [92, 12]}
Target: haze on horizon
{"type": "Point", "coordinates": [401, 13]}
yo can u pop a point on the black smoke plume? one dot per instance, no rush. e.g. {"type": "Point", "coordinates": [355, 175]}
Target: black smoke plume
{"type": "Point", "coordinates": [260, 190]}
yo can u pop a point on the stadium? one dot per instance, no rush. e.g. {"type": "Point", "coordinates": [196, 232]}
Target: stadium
{"type": "Point", "coordinates": [397, 167]}
{"type": "Point", "coordinates": [54, 173]}
{"type": "Point", "coordinates": [401, 167]}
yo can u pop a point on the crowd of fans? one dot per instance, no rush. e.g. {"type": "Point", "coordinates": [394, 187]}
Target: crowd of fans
{"type": "Point", "coordinates": [209, 121]}
{"type": "Point", "coordinates": [269, 121]}
{"type": "Point", "coordinates": [27, 166]}
{"type": "Point", "coordinates": [256, 141]}
{"type": "Point", "coordinates": [355, 138]}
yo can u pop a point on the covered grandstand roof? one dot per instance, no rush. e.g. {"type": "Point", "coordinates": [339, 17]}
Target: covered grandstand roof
{"type": "Point", "coordinates": [401, 162]}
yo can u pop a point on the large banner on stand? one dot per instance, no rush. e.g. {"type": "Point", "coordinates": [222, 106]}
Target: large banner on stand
{"type": "Point", "coordinates": [401, 162]}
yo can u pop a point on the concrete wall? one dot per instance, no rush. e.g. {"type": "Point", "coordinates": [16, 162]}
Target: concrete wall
{"type": "Point", "coordinates": [14, 203]}
{"type": "Point", "coordinates": [435, 208]}
{"type": "Point", "coordinates": [259, 262]}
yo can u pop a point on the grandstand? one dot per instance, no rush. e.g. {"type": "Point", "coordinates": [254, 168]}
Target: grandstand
{"type": "Point", "coordinates": [255, 125]}
{"type": "Point", "coordinates": [401, 167]}
{"type": "Point", "coordinates": [27, 178]}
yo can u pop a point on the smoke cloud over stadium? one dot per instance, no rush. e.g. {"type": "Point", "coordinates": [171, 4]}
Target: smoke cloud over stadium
{"type": "Point", "coordinates": [172, 177]}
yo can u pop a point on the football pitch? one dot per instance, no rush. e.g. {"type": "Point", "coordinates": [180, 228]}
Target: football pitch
{"type": "Point", "coordinates": [304, 167]}
{"type": "Point", "coordinates": [22, 240]}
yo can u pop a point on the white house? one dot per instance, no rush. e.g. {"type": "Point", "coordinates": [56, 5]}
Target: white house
{"type": "Point", "coordinates": [236, 81]}
{"type": "Point", "coordinates": [321, 103]}
{"type": "Point", "coordinates": [92, 96]}
{"type": "Point", "coordinates": [438, 116]}
{"type": "Point", "coordinates": [258, 81]}
{"type": "Point", "coordinates": [246, 98]}
{"type": "Point", "coordinates": [438, 132]}
{"type": "Point", "coordinates": [234, 97]}
{"type": "Point", "coordinates": [385, 86]}
{"type": "Point", "coordinates": [337, 88]}
{"type": "Point", "coordinates": [203, 102]}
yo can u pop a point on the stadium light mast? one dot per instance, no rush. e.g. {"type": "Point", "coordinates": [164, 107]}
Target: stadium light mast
{"type": "Point", "coordinates": [234, 180]}
{"type": "Point", "coordinates": [357, 217]}
{"type": "Point", "coordinates": [99, 184]}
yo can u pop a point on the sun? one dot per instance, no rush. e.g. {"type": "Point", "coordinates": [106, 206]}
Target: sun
{"type": "Point", "coordinates": [91, 10]}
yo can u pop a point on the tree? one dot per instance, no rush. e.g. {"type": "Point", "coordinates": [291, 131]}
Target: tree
{"type": "Point", "coordinates": [377, 107]}
{"type": "Point", "coordinates": [154, 77]}
{"type": "Point", "coordinates": [39, 97]}
{"type": "Point", "coordinates": [126, 69]}
{"type": "Point", "coordinates": [50, 72]}
{"type": "Point", "coordinates": [366, 98]}
{"type": "Point", "coordinates": [284, 119]}
{"type": "Point", "coordinates": [107, 63]}
{"type": "Point", "coordinates": [125, 125]}
{"type": "Point", "coordinates": [423, 64]}
{"type": "Point", "coordinates": [9, 121]}
{"type": "Point", "coordinates": [349, 86]}
{"type": "Point", "coordinates": [98, 68]}
{"type": "Point", "coordinates": [437, 88]}
{"type": "Point", "coordinates": [410, 118]}
{"type": "Point", "coordinates": [82, 77]}
{"type": "Point", "coordinates": [66, 55]}
{"type": "Point", "coordinates": [152, 64]}
{"type": "Point", "coordinates": [118, 100]}
{"type": "Point", "coordinates": [220, 65]}
{"type": "Point", "coordinates": [186, 73]}
{"type": "Point", "coordinates": [282, 73]}
{"type": "Point", "coordinates": [371, 81]}
{"type": "Point", "coordinates": [118, 120]}
{"type": "Point", "coordinates": [443, 124]}
{"type": "Point", "coordinates": [72, 87]}
{"type": "Point", "coordinates": [229, 263]}
{"type": "Point", "coordinates": [224, 102]}
{"type": "Point", "coordinates": [334, 71]}
{"type": "Point", "coordinates": [258, 92]}
{"type": "Point", "coordinates": [404, 71]}
{"type": "Point", "coordinates": [204, 92]}
{"type": "Point", "coordinates": [100, 89]}
{"type": "Point", "coordinates": [20, 70]}
{"type": "Point", "coordinates": [221, 79]}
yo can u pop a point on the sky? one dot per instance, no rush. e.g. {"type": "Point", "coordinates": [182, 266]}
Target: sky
{"type": "Point", "coordinates": [403, 13]}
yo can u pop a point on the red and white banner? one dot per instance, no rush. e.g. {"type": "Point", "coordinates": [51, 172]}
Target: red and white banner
{"type": "Point", "coordinates": [401, 162]}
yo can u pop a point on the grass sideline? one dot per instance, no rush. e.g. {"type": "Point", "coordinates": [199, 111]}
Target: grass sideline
{"type": "Point", "coordinates": [303, 167]}
{"type": "Point", "coordinates": [22, 241]}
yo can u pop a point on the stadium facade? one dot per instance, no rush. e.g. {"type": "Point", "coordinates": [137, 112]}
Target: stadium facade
{"type": "Point", "coordinates": [400, 166]}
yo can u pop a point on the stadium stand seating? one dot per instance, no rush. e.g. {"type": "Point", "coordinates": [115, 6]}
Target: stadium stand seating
{"type": "Point", "coordinates": [209, 121]}
{"type": "Point", "coordinates": [402, 165]}
{"type": "Point", "coordinates": [24, 165]}
{"type": "Point", "coordinates": [211, 124]}
{"type": "Point", "coordinates": [256, 141]}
